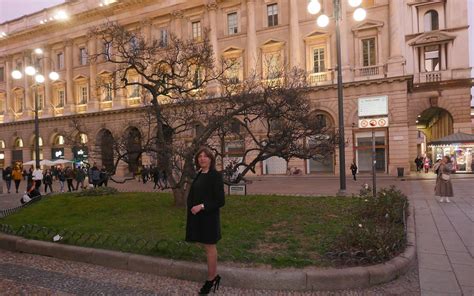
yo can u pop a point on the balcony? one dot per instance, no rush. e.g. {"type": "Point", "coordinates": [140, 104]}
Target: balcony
{"type": "Point", "coordinates": [369, 72]}
{"type": "Point", "coordinates": [106, 105]}
{"type": "Point", "coordinates": [320, 78]}
{"type": "Point", "coordinates": [134, 101]}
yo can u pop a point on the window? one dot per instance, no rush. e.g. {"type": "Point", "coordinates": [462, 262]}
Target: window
{"type": "Point", "coordinates": [83, 95]}
{"type": "Point", "coordinates": [197, 79]}
{"type": "Point", "coordinates": [18, 101]}
{"type": "Point", "coordinates": [321, 121]}
{"type": "Point", "coordinates": [319, 64]}
{"type": "Point", "coordinates": [107, 50]}
{"type": "Point", "coordinates": [232, 27]}
{"type": "Point", "coordinates": [83, 138]}
{"type": "Point", "coordinates": [82, 56]}
{"type": "Point", "coordinates": [432, 58]}
{"type": "Point", "coordinates": [107, 92]}
{"type": "Point", "coordinates": [272, 15]}
{"type": "Point", "coordinates": [19, 65]}
{"type": "Point", "coordinates": [368, 52]}
{"type": "Point", "coordinates": [196, 26]}
{"type": "Point", "coordinates": [2, 144]}
{"type": "Point", "coordinates": [18, 143]}
{"type": "Point", "coordinates": [163, 37]}
{"type": "Point", "coordinates": [60, 60]}
{"type": "Point", "coordinates": [273, 65]}
{"type": "Point", "coordinates": [431, 20]}
{"type": "Point", "coordinates": [233, 73]}
{"type": "Point", "coordinates": [134, 44]}
{"type": "Point", "coordinates": [2, 103]}
{"type": "Point", "coordinates": [2, 74]}
{"type": "Point", "coordinates": [61, 98]}
{"type": "Point", "coordinates": [58, 140]}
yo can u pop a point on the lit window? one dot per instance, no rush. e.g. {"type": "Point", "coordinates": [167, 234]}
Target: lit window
{"type": "Point", "coordinates": [233, 73]}
{"type": "Point", "coordinates": [272, 15]}
{"type": "Point", "coordinates": [232, 23]}
{"type": "Point", "coordinates": [197, 79]}
{"type": "Point", "coordinates": [2, 144]}
{"type": "Point", "coordinates": [83, 138]}
{"type": "Point", "coordinates": [59, 140]}
{"type": "Point", "coordinates": [196, 26]}
{"type": "Point", "coordinates": [368, 52]}
{"type": "Point", "coordinates": [107, 92]}
{"type": "Point", "coordinates": [18, 143]}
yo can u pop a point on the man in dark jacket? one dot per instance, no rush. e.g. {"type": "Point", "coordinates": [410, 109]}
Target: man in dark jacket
{"type": "Point", "coordinates": [7, 176]}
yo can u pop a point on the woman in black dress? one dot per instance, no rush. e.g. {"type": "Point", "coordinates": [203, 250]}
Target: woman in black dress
{"type": "Point", "coordinates": [203, 217]}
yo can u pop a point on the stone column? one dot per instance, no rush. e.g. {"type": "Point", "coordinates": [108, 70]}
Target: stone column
{"type": "Point", "coordinates": [48, 92]}
{"type": "Point", "coordinates": [28, 103]}
{"type": "Point", "coordinates": [177, 23]}
{"type": "Point", "coordinates": [346, 68]}
{"type": "Point", "coordinates": [70, 102]}
{"type": "Point", "coordinates": [213, 87]}
{"type": "Point", "coordinates": [396, 61]}
{"type": "Point", "coordinates": [252, 56]}
{"type": "Point", "coordinates": [295, 54]}
{"type": "Point", "coordinates": [442, 52]}
{"type": "Point", "coordinates": [93, 104]}
{"type": "Point", "coordinates": [8, 98]}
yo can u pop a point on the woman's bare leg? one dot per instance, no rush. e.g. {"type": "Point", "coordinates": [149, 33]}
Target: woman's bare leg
{"type": "Point", "coordinates": [211, 253]}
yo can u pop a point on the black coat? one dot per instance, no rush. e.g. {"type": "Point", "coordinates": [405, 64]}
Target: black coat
{"type": "Point", "coordinates": [205, 226]}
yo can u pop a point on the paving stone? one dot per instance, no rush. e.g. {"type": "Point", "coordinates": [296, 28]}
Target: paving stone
{"type": "Point", "coordinates": [452, 242]}
{"type": "Point", "coordinates": [460, 258]}
{"type": "Point", "coordinates": [434, 261]}
{"type": "Point", "coordinates": [438, 281]}
{"type": "Point", "coordinates": [464, 274]}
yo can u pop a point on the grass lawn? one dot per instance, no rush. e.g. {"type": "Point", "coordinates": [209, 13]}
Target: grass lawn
{"type": "Point", "coordinates": [276, 230]}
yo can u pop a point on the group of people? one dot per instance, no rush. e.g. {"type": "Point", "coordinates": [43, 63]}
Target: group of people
{"type": "Point", "coordinates": [68, 175]}
{"type": "Point", "coordinates": [159, 177]}
{"type": "Point", "coordinates": [423, 163]}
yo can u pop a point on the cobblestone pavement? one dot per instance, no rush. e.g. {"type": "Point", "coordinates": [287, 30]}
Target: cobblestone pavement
{"type": "Point", "coordinates": [24, 274]}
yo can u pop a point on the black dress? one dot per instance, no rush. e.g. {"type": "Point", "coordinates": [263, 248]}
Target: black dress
{"type": "Point", "coordinates": [205, 226]}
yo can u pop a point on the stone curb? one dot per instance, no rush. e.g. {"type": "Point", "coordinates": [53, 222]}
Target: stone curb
{"type": "Point", "coordinates": [307, 279]}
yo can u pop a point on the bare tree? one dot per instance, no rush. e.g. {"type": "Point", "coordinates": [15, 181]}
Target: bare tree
{"type": "Point", "coordinates": [191, 101]}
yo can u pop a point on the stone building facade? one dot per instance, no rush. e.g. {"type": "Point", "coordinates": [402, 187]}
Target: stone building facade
{"type": "Point", "coordinates": [413, 52]}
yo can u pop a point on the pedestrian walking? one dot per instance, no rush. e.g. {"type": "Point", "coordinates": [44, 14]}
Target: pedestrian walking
{"type": "Point", "coordinates": [95, 175]}
{"type": "Point", "coordinates": [164, 179]}
{"type": "Point", "coordinates": [61, 178]}
{"type": "Point", "coordinates": [104, 177]}
{"type": "Point", "coordinates": [144, 174]}
{"type": "Point", "coordinates": [444, 186]}
{"type": "Point", "coordinates": [37, 177]}
{"type": "Point", "coordinates": [7, 177]}
{"type": "Point", "coordinates": [205, 199]}
{"type": "Point", "coordinates": [69, 178]}
{"type": "Point", "coordinates": [48, 181]}
{"type": "Point", "coordinates": [419, 163]}
{"type": "Point", "coordinates": [29, 178]}
{"type": "Point", "coordinates": [156, 178]}
{"type": "Point", "coordinates": [80, 177]}
{"type": "Point", "coordinates": [354, 170]}
{"type": "Point", "coordinates": [17, 175]}
{"type": "Point", "coordinates": [427, 164]}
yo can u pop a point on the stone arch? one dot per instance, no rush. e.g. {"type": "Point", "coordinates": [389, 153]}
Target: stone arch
{"type": "Point", "coordinates": [133, 143]}
{"type": "Point", "coordinates": [104, 142]}
{"type": "Point", "coordinates": [323, 163]}
{"type": "Point", "coordinates": [435, 122]}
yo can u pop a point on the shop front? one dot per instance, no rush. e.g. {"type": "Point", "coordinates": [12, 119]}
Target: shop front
{"type": "Point", "coordinates": [459, 147]}
{"type": "Point", "coordinates": [81, 155]}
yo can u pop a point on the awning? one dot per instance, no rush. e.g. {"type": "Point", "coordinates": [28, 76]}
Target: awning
{"type": "Point", "coordinates": [456, 138]}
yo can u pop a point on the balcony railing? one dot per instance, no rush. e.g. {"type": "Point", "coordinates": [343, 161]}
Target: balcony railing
{"type": "Point", "coordinates": [369, 71]}
{"type": "Point", "coordinates": [431, 76]}
{"type": "Point", "coordinates": [316, 78]}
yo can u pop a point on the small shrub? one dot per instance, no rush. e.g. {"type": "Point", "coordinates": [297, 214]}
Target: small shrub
{"type": "Point", "coordinates": [377, 229]}
{"type": "Point", "coordinates": [97, 191]}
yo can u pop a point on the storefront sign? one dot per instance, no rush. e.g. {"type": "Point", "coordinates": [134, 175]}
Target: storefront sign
{"type": "Point", "coordinates": [80, 153]}
{"type": "Point", "coordinates": [373, 106]}
{"type": "Point", "coordinates": [57, 153]}
{"type": "Point", "coordinates": [373, 122]}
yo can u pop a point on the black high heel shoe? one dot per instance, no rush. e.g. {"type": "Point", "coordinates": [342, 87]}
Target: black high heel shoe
{"type": "Point", "coordinates": [208, 285]}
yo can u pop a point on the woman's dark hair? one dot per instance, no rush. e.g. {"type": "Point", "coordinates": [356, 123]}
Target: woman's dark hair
{"type": "Point", "coordinates": [209, 154]}
{"type": "Point", "coordinates": [448, 159]}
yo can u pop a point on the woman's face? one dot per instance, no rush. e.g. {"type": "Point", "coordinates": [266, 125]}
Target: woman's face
{"type": "Point", "coordinates": [204, 161]}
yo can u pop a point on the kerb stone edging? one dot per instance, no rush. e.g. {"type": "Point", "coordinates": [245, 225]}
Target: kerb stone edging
{"type": "Point", "coordinates": [306, 279]}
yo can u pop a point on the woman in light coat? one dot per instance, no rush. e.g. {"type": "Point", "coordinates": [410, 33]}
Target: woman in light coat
{"type": "Point", "coordinates": [444, 187]}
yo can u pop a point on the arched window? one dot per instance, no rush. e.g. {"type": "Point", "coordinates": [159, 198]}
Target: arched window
{"type": "Point", "coordinates": [2, 144]}
{"type": "Point", "coordinates": [58, 140]}
{"type": "Point", "coordinates": [18, 143]}
{"type": "Point", "coordinates": [431, 20]}
{"type": "Point", "coordinates": [83, 138]}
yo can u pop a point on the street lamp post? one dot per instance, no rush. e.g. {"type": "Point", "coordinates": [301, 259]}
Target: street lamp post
{"type": "Point", "coordinates": [39, 78]}
{"type": "Point", "coordinates": [314, 7]}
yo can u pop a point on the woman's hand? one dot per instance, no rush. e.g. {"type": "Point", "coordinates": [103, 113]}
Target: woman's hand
{"type": "Point", "coordinates": [196, 209]}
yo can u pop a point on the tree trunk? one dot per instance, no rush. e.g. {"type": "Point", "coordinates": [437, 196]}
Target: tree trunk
{"type": "Point", "coordinates": [180, 197]}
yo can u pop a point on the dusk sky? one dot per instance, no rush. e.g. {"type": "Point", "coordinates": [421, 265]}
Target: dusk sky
{"type": "Point", "coordinates": [12, 9]}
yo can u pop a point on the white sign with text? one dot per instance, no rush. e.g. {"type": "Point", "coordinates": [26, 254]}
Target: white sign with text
{"type": "Point", "coordinates": [373, 106]}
